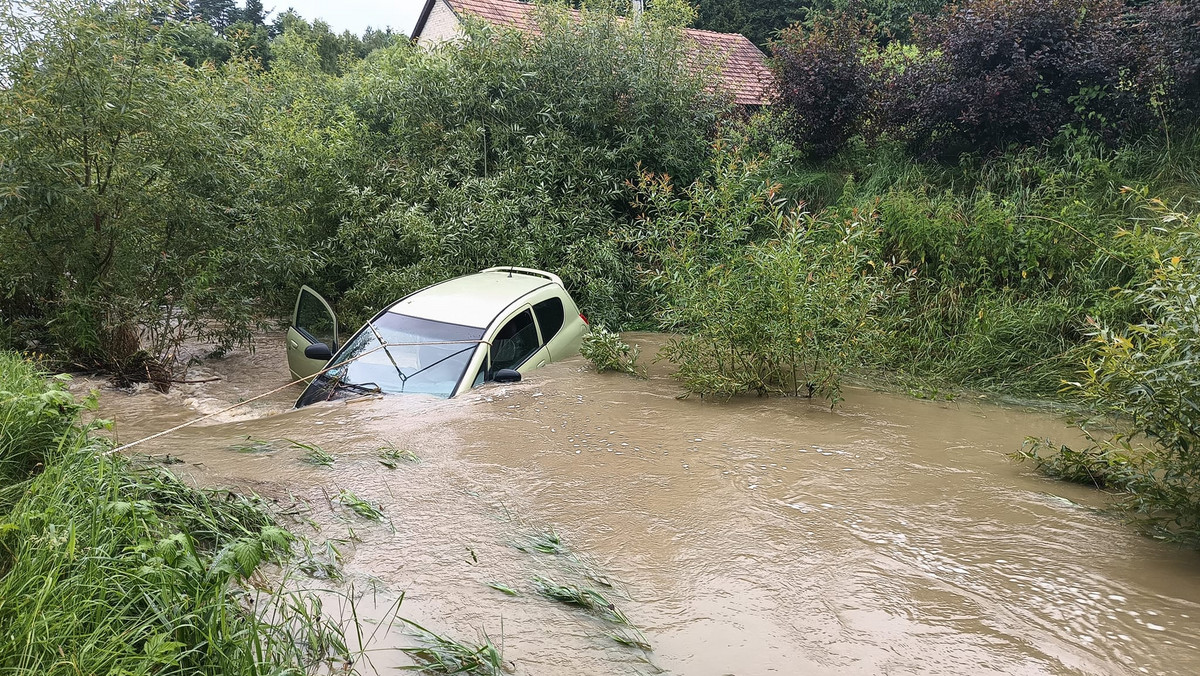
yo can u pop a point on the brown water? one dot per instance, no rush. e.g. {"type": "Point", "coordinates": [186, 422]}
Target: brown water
{"type": "Point", "coordinates": [759, 536]}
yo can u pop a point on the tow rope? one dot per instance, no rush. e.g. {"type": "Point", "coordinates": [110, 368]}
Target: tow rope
{"type": "Point", "coordinates": [382, 346]}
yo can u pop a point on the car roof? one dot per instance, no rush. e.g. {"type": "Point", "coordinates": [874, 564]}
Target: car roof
{"type": "Point", "coordinates": [471, 300]}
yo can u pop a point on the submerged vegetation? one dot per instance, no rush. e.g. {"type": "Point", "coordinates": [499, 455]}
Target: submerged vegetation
{"type": "Point", "coordinates": [1146, 376]}
{"type": "Point", "coordinates": [584, 597]}
{"type": "Point", "coordinates": [364, 508]}
{"type": "Point", "coordinates": [314, 455]}
{"type": "Point", "coordinates": [390, 456]}
{"type": "Point", "coordinates": [608, 352]}
{"type": "Point", "coordinates": [438, 654]}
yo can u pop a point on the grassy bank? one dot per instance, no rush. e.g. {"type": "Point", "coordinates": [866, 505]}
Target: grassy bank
{"type": "Point", "coordinates": [108, 568]}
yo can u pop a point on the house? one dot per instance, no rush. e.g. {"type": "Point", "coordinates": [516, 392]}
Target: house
{"type": "Point", "coordinates": [742, 67]}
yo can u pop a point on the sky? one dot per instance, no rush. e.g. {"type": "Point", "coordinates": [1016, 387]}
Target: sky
{"type": "Point", "coordinates": [355, 15]}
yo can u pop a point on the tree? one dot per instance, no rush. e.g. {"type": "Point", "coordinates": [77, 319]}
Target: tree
{"type": "Point", "coordinates": [124, 188]}
{"type": "Point", "coordinates": [218, 13]}
{"type": "Point", "coordinates": [763, 20]}
{"type": "Point", "coordinates": [196, 42]}
{"type": "Point", "coordinates": [758, 20]}
{"type": "Point", "coordinates": [254, 13]}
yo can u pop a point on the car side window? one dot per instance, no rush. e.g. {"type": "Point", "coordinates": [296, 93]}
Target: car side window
{"type": "Point", "coordinates": [515, 342]}
{"type": "Point", "coordinates": [550, 315]}
{"type": "Point", "coordinates": [312, 318]}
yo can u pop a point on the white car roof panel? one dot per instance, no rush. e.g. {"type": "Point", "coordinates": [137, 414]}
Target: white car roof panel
{"type": "Point", "coordinates": [471, 300]}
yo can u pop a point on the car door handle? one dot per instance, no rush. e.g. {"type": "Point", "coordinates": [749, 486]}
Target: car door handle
{"type": "Point", "coordinates": [293, 344]}
{"type": "Point", "coordinates": [541, 363]}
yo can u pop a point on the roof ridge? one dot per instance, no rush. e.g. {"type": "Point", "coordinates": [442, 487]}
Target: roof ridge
{"type": "Point", "coordinates": [689, 29]}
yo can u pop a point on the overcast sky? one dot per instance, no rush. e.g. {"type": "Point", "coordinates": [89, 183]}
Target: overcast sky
{"type": "Point", "coordinates": [355, 15]}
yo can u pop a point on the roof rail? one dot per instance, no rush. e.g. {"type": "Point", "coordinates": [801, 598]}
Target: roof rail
{"type": "Point", "coordinates": [527, 271]}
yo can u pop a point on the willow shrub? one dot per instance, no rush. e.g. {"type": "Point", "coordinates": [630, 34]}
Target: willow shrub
{"type": "Point", "coordinates": [768, 299]}
{"type": "Point", "coordinates": [514, 148]}
{"type": "Point", "coordinates": [608, 352]}
{"type": "Point", "coordinates": [106, 568]}
{"type": "Point", "coordinates": [1147, 375]}
{"type": "Point", "coordinates": [123, 186]}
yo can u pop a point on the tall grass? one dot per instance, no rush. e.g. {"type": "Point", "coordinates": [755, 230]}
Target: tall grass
{"type": "Point", "coordinates": [110, 569]}
{"type": "Point", "coordinates": [1007, 259]}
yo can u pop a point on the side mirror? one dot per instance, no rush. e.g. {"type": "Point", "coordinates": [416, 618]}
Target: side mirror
{"type": "Point", "coordinates": [507, 376]}
{"type": "Point", "coordinates": [319, 351]}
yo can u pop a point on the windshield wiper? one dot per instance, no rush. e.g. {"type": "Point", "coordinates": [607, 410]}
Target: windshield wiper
{"type": "Point", "coordinates": [388, 352]}
{"type": "Point", "coordinates": [449, 356]}
{"type": "Point", "coordinates": [365, 388]}
{"type": "Point", "coordinates": [368, 387]}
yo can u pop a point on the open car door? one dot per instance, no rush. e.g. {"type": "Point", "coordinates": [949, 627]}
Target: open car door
{"type": "Point", "coordinates": [313, 326]}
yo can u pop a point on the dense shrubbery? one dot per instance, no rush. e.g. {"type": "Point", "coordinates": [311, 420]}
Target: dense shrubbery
{"type": "Point", "coordinates": [516, 149]}
{"type": "Point", "coordinates": [990, 75]}
{"type": "Point", "coordinates": [370, 173]}
{"type": "Point", "coordinates": [1009, 257]}
{"type": "Point", "coordinates": [768, 299]}
{"type": "Point", "coordinates": [122, 189]}
{"type": "Point", "coordinates": [1168, 55]}
{"type": "Point", "coordinates": [763, 20]}
{"type": "Point", "coordinates": [999, 72]}
{"type": "Point", "coordinates": [825, 81]}
{"type": "Point", "coordinates": [146, 200]}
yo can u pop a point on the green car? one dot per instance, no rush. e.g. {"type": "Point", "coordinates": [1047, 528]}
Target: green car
{"type": "Point", "coordinates": [443, 340]}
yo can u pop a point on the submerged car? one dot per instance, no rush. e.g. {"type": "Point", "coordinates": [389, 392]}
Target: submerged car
{"type": "Point", "coordinates": [443, 340]}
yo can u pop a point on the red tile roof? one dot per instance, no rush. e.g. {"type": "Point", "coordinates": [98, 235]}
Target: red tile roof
{"type": "Point", "coordinates": [742, 67]}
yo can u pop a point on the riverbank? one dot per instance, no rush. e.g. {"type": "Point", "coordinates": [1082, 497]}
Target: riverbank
{"type": "Point", "coordinates": [108, 566]}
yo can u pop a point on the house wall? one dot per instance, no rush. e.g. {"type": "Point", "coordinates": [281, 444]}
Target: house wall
{"type": "Point", "coordinates": [442, 25]}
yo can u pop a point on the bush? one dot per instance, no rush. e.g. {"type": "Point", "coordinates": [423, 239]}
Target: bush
{"type": "Point", "coordinates": [1009, 256]}
{"type": "Point", "coordinates": [824, 82]}
{"type": "Point", "coordinates": [998, 72]}
{"type": "Point", "coordinates": [36, 416]}
{"type": "Point", "coordinates": [1168, 50]}
{"type": "Point", "coordinates": [122, 182]}
{"type": "Point", "coordinates": [608, 352]}
{"type": "Point", "coordinates": [1147, 375]}
{"type": "Point", "coordinates": [769, 299]}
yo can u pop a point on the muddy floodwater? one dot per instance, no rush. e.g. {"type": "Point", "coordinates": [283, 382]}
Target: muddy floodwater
{"type": "Point", "coordinates": [757, 536]}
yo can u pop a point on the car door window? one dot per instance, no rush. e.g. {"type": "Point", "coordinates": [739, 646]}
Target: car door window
{"type": "Point", "coordinates": [550, 315]}
{"type": "Point", "coordinates": [515, 342]}
{"type": "Point", "coordinates": [313, 318]}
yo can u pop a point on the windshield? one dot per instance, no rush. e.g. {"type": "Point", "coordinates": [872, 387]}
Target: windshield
{"type": "Point", "coordinates": [397, 353]}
